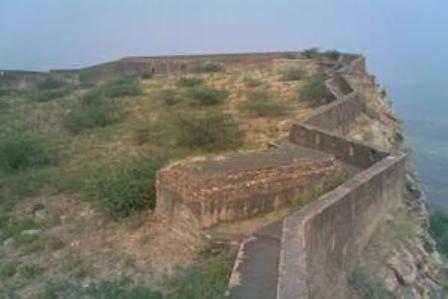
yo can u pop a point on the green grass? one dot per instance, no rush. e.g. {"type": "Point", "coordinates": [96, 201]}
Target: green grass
{"type": "Point", "coordinates": [205, 281]}
{"type": "Point", "coordinates": [439, 230]}
{"type": "Point", "coordinates": [204, 96]}
{"type": "Point", "coordinates": [29, 271]}
{"type": "Point", "coordinates": [170, 97]}
{"type": "Point", "coordinates": [125, 188]}
{"type": "Point", "coordinates": [332, 54]}
{"type": "Point", "coordinates": [189, 82]}
{"type": "Point", "coordinates": [94, 110]}
{"type": "Point", "coordinates": [7, 270]}
{"type": "Point", "coordinates": [128, 86]}
{"type": "Point", "coordinates": [293, 73]}
{"type": "Point", "coordinates": [207, 67]}
{"type": "Point", "coordinates": [50, 84]}
{"type": "Point", "coordinates": [251, 82]}
{"type": "Point", "coordinates": [101, 290]}
{"type": "Point", "coordinates": [20, 150]}
{"type": "Point", "coordinates": [48, 90]}
{"type": "Point", "coordinates": [262, 104]}
{"type": "Point", "coordinates": [209, 130]}
{"type": "Point", "coordinates": [315, 92]}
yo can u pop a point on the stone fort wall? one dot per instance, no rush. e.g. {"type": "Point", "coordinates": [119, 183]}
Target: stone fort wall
{"type": "Point", "coordinates": [321, 244]}
{"type": "Point", "coordinates": [135, 66]}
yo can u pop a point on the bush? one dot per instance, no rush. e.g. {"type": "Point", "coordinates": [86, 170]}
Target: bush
{"type": "Point", "coordinates": [169, 97]}
{"type": "Point", "coordinates": [315, 90]}
{"type": "Point", "coordinates": [6, 92]}
{"type": "Point", "coordinates": [94, 111]}
{"type": "Point", "coordinates": [368, 287]}
{"type": "Point", "coordinates": [207, 67]}
{"type": "Point", "coordinates": [205, 96]}
{"type": "Point", "coordinates": [128, 86]}
{"type": "Point", "coordinates": [102, 290]}
{"type": "Point", "coordinates": [147, 75]}
{"type": "Point", "coordinates": [290, 55]}
{"type": "Point", "coordinates": [439, 230]}
{"type": "Point", "coordinates": [260, 103]}
{"type": "Point", "coordinates": [48, 90]}
{"type": "Point", "coordinates": [189, 82]}
{"type": "Point", "coordinates": [209, 131]}
{"type": "Point", "coordinates": [251, 82]}
{"type": "Point", "coordinates": [7, 270]}
{"type": "Point", "coordinates": [19, 151]}
{"type": "Point", "coordinates": [332, 54]}
{"type": "Point", "coordinates": [204, 281]}
{"type": "Point", "coordinates": [48, 95]}
{"type": "Point", "coordinates": [50, 84]}
{"type": "Point", "coordinates": [126, 188]}
{"type": "Point", "coordinates": [293, 73]}
{"type": "Point", "coordinates": [311, 53]}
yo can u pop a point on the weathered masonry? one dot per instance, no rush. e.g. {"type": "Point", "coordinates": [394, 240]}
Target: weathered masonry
{"type": "Point", "coordinates": [315, 248]}
{"type": "Point", "coordinates": [239, 185]}
{"type": "Point", "coordinates": [134, 66]}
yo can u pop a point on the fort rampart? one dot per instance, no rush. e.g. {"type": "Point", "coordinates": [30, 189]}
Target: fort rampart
{"type": "Point", "coordinates": [321, 244]}
{"type": "Point", "coordinates": [151, 65]}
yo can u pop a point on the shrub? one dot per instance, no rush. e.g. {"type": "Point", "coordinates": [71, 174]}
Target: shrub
{"type": "Point", "coordinates": [207, 67]}
{"type": "Point", "coordinates": [205, 96]}
{"type": "Point", "coordinates": [289, 55]}
{"type": "Point", "coordinates": [260, 103]}
{"type": "Point", "coordinates": [128, 86]}
{"type": "Point", "coordinates": [126, 188]}
{"type": "Point", "coordinates": [439, 230]}
{"type": "Point", "coordinates": [48, 90]}
{"type": "Point", "coordinates": [204, 281]}
{"type": "Point", "coordinates": [169, 97]}
{"type": "Point", "coordinates": [332, 54]}
{"type": "Point", "coordinates": [7, 270]}
{"type": "Point", "coordinates": [147, 75]}
{"type": "Point", "coordinates": [293, 73]}
{"type": "Point", "coordinates": [189, 82]}
{"type": "Point", "coordinates": [48, 95]}
{"type": "Point", "coordinates": [94, 111]}
{"type": "Point", "coordinates": [19, 151]}
{"type": "Point", "coordinates": [251, 82]}
{"type": "Point", "coordinates": [368, 287]}
{"type": "Point", "coordinates": [103, 290]}
{"type": "Point", "coordinates": [50, 84]}
{"type": "Point", "coordinates": [29, 271]}
{"type": "Point", "coordinates": [6, 92]}
{"type": "Point", "coordinates": [311, 52]}
{"type": "Point", "coordinates": [315, 90]}
{"type": "Point", "coordinates": [209, 131]}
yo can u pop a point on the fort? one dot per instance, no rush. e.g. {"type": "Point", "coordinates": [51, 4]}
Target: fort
{"type": "Point", "coordinates": [310, 252]}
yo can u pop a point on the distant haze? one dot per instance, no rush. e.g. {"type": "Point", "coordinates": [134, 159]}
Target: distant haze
{"type": "Point", "coordinates": [405, 41]}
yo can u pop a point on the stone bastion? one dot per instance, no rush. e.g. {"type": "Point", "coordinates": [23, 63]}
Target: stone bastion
{"type": "Point", "coordinates": [238, 185]}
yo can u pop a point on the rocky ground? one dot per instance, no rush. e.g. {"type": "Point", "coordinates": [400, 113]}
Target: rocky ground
{"type": "Point", "coordinates": [401, 260]}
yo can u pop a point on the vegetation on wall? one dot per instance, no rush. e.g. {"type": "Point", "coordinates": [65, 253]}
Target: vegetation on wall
{"type": "Point", "coordinates": [439, 230]}
{"type": "Point", "coordinates": [315, 92]}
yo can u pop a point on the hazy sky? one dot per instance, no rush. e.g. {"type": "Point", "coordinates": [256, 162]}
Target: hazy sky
{"type": "Point", "coordinates": [405, 41]}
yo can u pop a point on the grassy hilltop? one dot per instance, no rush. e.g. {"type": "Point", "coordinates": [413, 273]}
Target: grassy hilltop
{"type": "Point", "coordinates": [78, 166]}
